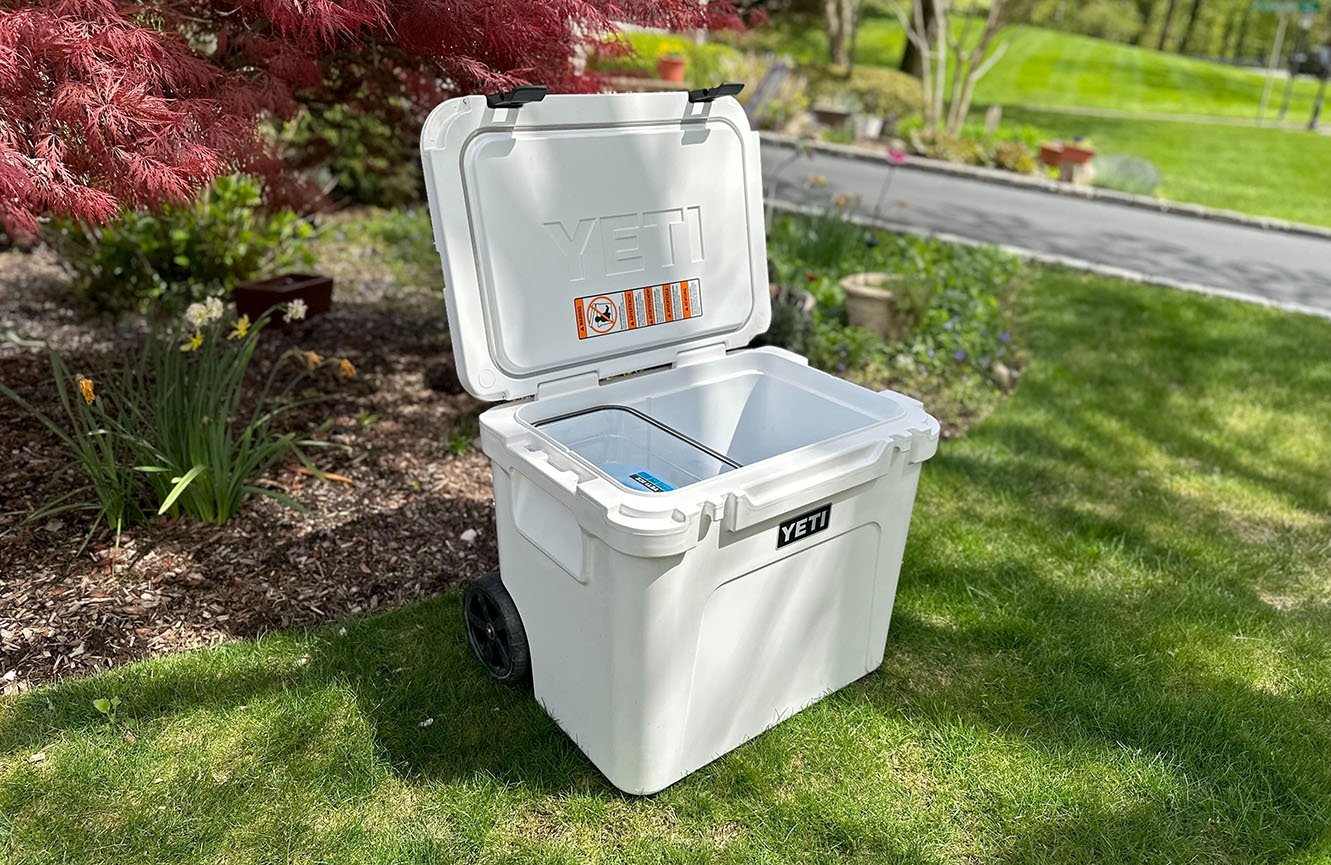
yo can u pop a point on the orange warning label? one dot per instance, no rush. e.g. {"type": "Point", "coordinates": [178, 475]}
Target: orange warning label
{"type": "Point", "coordinates": [599, 314]}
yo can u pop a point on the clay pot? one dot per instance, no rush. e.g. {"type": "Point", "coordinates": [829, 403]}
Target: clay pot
{"type": "Point", "coordinates": [1078, 155]}
{"type": "Point", "coordinates": [1051, 153]}
{"type": "Point", "coordinates": [670, 68]}
{"type": "Point", "coordinates": [872, 305]}
{"type": "Point", "coordinates": [256, 298]}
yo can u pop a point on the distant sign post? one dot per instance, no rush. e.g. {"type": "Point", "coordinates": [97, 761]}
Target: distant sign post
{"type": "Point", "coordinates": [1285, 8]}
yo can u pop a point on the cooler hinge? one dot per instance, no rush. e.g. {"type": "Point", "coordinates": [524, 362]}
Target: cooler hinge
{"type": "Point", "coordinates": [700, 354]}
{"type": "Point", "coordinates": [581, 381]}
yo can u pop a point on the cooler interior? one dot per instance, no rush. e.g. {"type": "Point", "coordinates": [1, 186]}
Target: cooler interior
{"type": "Point", "coordinates": [693, 433]}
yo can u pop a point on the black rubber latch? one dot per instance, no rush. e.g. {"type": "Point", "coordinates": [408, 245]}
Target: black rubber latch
{"type": "Point", "coordinates": [707, 94]}
{"type": "Point", "coordinates": [517, 97]}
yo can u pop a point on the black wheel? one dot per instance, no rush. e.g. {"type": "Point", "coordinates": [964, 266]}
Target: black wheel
{"type": "Point", "coordinates": [494, 629]}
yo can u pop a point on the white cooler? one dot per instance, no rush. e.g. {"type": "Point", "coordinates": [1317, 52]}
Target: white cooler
{"type": "Point", "coordinates": [696, 551]}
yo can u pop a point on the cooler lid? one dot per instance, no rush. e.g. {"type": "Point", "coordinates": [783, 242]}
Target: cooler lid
{"type": "Point", "coordinates": [594, 233]}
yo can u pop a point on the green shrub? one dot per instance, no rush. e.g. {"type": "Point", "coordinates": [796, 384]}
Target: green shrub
{"type": "Point", "coordinates": [1126, 173]}
{"type": "Point", "coordinates": [1118, 20]}
{"type": "Point", "coordinates": [872, 89]}
{"type": "Point", "coordinates": [367, 159]}
{"type": "Point", "coordinates": [171, 433]}
{"type": "Point", "coordinates": [160, 261]}
{"type": "Point", "coordinates": [957, 294]}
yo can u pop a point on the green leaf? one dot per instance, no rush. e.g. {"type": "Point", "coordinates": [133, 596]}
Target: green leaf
{"type": "Point", "coordinates": [102, 705]}
{"type": "Point", "coordinates": [180, 484]}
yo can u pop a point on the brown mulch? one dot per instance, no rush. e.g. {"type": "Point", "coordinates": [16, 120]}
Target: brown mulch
{"type": "Point", "coordinates": [415, 518]}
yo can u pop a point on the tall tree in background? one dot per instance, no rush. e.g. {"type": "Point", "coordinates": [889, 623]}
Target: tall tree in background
{"type": "Point", "coordinates": [971, 65]}
{"type": "Point", "coordinates": [1164, 28]}
{"type": "Point", "coordinates": [1188, 28]}
{"type": "Point", "coordinates": [107, 104]}
{"type": "Point", "coordinates": [843, 22]}
{"type": "Point", "coordinates": [912, 61]}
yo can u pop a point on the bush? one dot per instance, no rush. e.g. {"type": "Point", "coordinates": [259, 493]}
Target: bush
{"type": "Point", "coordinates": [1118, 20]}
{"type": "Point", "coordinates": [962, 324]}
{"type": "Point", "coordinates": [368, 159]}
{"type": "Point", "coordinates": [168, 434]}
{"type": "Point", "coordinates": [163, 260]}
{"type": "Point", "coordinates": [872, 89]}
{"type": "Point", "coordinates": [1126, 173]}
{"type": "Point", "coordinates": [786, 102]}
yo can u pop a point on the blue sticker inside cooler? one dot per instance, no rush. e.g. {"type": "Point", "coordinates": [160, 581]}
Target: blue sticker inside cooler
{"type": "Point", "coordinates": [651, 482]}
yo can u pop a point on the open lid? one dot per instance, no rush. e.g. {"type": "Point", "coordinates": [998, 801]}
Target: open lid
{"type": "Point", "coordinates": [594, 234]}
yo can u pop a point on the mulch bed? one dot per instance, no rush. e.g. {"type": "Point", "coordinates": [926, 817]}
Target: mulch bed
{"type": "Point", "coordinates": [416, 518]}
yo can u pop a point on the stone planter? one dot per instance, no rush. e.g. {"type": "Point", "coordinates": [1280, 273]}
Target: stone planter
{"type": "Point", "coordinates": [830, 115]}
{"type": "Point", "coordinates": [868, 127]}
{"type": "Point", "coordinates": [256, 298]}
{"type": "Point", "coordinates": [670, 68]}
{"type": "Point", "coordinates": [872, 305]}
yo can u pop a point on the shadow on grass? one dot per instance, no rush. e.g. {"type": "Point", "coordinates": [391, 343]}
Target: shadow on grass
{"type": "Point", "coordinates": [1062, 594]}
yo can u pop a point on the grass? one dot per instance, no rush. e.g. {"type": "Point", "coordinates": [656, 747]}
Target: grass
{"type": "Point", "coordinates": [1271, 172]}
{"type": "Point", "coordinates": [1055, 68]}
{"type": "Point", "coordinates": [1111, 644]}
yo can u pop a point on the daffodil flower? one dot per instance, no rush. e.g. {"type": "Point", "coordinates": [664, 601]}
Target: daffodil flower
{"type": "Point", "coordinates": [295, 310]}
{"type": "Point", "coordinates": [312, 358]}
{"type": "Point", "coordinates": [213, 308]}
{"type": "Point", "coordinates": [194, 342]}
{"type": "Point", "coordinates": [196, 314]}
{"type": "Point", "coordinates": [240, 328]}
{"type": "Point", "coordinates": [85, 389]}
{"type": "Point", "coordinates": [344, 366]}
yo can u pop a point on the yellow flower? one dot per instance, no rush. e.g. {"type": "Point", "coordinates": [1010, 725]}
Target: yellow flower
{"type": "Point", "coordinates": [240, 328]}
{"type": "Point", "coordinates": [344, 366]}
{"type": "Point", "coordinates": [85, 388]}
{"type": "Point", "coordinates": [312, 358]}
{"type": "Point", "coordinates": [194, 342]}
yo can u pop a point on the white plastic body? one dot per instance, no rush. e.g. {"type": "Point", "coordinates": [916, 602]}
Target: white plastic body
{"type": "Point", "coordinates": [668, 628]}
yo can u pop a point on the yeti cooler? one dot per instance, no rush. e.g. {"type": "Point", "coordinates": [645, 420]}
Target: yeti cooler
{"type": "Point", "coordinates": [696, 539]}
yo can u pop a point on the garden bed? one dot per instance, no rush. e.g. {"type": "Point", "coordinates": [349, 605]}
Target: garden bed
{"type": "Point", "coordinates": [416, 517]}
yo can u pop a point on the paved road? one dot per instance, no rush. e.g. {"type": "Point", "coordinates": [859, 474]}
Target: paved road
{"type": "Point", "coordinates": [1272, 266]}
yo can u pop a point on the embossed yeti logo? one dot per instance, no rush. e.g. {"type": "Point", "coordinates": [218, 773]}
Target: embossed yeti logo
{"type": "Point", "coordinates": [629, 242]}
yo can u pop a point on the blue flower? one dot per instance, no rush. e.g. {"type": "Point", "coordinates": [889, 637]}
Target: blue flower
{"type": "Point", "coordinates": [949, 324]}
{"type": "Point", "coordinates": [932, 353]}
{"type": "Point", "coordinates": [960, 355]}
{"type": "Point", "coordinates": [841, 367]}
{"type": "Point", "coordinates": [1004, 336]}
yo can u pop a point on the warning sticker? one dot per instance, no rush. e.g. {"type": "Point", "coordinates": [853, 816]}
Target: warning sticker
{"type": "Point", "coordinates": [599, 314]}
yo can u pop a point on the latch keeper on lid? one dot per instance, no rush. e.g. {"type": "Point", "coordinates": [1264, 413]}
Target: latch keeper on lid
{"type": "Point", "coordinates": [707, 94]}
{"type": "Point", "coordinates": [517, 97]}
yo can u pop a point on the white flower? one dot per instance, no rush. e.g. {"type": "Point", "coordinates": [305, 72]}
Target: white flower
{"type": "Point", "coordinates": [213, 306]}
{"type": "Point", "coordinates": [295, 310]}
{"type": "Point", "coordinates": [196, 314]}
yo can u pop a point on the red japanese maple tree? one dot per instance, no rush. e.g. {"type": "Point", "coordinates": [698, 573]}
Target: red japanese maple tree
{"type": "Point", "coordinates": [106, 104]}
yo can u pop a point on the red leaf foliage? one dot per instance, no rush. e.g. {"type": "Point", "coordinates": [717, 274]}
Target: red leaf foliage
{"type": "Point", "coordinates": [105, 105]}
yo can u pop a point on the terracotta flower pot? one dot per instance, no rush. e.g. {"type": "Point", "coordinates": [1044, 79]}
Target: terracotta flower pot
{"type": "Point", "coordinates": [670, 68]}
{"type": "Point", "coordinates": [1077, 154]}
{"type": "Point", "coordinates": [1051, 153]}
{"type": "Point", "coordinates": [872, 305]}
{"type": "Point", "coordinates": [256, 298]}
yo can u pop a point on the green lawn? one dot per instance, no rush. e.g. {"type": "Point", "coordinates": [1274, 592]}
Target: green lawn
{"type": "Point", "coordinates": [1271, 172]}
{"type": "Point", "coordinates": [1050, 67]}
{"type": "Point", "coordinates": [1112, 643]}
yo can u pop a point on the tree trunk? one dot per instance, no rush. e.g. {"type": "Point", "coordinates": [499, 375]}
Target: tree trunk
{"type": "Point", "coordinates": [837, 50]}
{"type": "Point", "coordinates": [1144, 8]}
{"type": "Point", "coordinates": [1188, 28]}
{"type": "Point", "coordinates": [1230, 21]}
{"type": "Point", "coordinates": [1164, 28]}
{"type": "Point", "coordinates": [1242, 36]}
{"type": "Point", "coordinates": [912, 61]}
